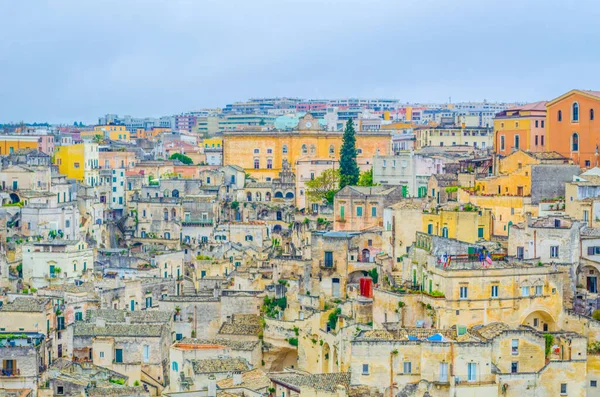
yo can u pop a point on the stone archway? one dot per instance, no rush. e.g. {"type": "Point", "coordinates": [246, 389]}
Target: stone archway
{"type": "Point", "coordinates": [325, 358]}
{"type": "Point", "coordinates": [588, 276]}
{"type": "Point", "coordinates": [540, 320]}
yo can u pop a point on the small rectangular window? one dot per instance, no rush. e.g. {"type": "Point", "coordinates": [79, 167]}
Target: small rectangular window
{"type": "Point", "coordinates": [494, 291]}
{"type": "Point", "coordinates": [539, 290]}
{"type": "Point", "coordinates": [365, 369]}
{"type": "Point", "coordinates": [554, 251]}
{"type": "Point", "coordinates": [514, 367]}
{"type": "Point", "coordinates": [563, 389]}
{"type": "Point", "coordinates": [524, 291]}
{"type": "Point", "coordinates": [593, 383]}
{"type": "Point", "coordinates": [358, 211]}
{"type": "Point", "coordinates": [464, 292]}
{"type": "Point", "coordinates": [407, 367]}
{"type": "Point", "coordinates": [514, 347]}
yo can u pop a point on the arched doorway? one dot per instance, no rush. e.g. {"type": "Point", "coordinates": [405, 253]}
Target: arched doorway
{"type": "Point", "coordinates": [268, 196]}
{"type": "Point", "coordinates": [588, 277]}
{"type": "Point", "coordinates": [335, 360]}
{"type": "Point", "coordinates": [365, 255]}
{"type": "Point", "coordinates": [540, 320]}
{"type": "Point", "coordinates": [325, 358]}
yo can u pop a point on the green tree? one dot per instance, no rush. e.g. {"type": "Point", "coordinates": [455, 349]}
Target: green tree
{"type": "Point", "coordinates": [366, 178]}
{"type": "Point", "coordinates": [323, 187]}
{"type": "Point", "coordinates": [181, 157]}
{"type": "Point", "coordinates": [349, 171]}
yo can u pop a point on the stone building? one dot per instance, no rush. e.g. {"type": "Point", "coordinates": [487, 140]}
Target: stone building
{"type": "Point", "coordinates": [263, 152]}
{"type": "Point", "coordinates": [135, 344]}
{"type": "Point", "coordinates": [490, 360]}
{"type": "Point", "coordinates": [358, 208]}
{"type": "Point", "coordinates": [342, 258]}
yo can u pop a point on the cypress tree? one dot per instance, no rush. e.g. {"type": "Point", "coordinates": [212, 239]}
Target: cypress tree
{"type": "Point", "coordinates": [349, 171]}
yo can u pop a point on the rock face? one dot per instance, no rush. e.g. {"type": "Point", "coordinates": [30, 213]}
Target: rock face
{"type": "Point", "coordinates": [277, 357]}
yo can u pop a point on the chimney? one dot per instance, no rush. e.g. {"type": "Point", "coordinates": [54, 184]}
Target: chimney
{"type": "Point", "coordinates": [212, 386]}
{"type": "Point", "coordinates": [237, 379]}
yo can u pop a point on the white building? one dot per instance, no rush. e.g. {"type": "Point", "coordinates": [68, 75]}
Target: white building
{"type": "Point", "coordinates": [44, 261]}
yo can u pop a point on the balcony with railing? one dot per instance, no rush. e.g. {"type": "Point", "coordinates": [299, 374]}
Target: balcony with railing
{"type": "Point", "coordinates": [327, 264]}
{"type": "Point", "coordinates": [9, 372]}
{"type": "Point", "coordinates": [197, 222]}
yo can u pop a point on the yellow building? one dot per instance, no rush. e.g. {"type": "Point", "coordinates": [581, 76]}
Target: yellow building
{"type": "Point", "coordinates": [80, 162]}
{"type": "Point", "coordinates": [262, 153]}
{"type": "Point", "coordinates": [113, 132]}
{"type": "Point", "coordinates": [465, 223]}
{"type": "Point", "coordinates": [212, 143]}
{"type": "Point", "coordinates": [509, 194]}
{"type": "Point", "coordinates": [477, 137]}
{"type": "Point", "coordinates": [521, 127]}
{"type": "Point", "coordinates": [11, 143]}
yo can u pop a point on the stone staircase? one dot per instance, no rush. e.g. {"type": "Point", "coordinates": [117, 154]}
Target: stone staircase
{"type": "Point", "coordinates": [188, 287]}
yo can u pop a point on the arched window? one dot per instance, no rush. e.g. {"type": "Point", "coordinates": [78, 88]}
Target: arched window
{"type": "Point", "coordinates": [445, 232]}
{"type": "Point", "coordinates": [166, 193]}
{"type": "Point", "coordinates": [331, 150]}
{"type": "Point", "coordinates": [175, 366]}
{"type": "Point", "coordinates": [575, 112]}
{"type": "Point", "coordinates": [304, 149]}
{"type": "Point", "coordinates": [313, 149]}
{"type": "Point", "coordinates": [591, 114]}
{"type": "Point", "coordinates": [284, 149]}
{"type": "Point", "coordinates": [173, 213]}
{"type": "Point", "coordinates": [575, 142]}
{"type": "Point", "coordinates": [167, 235]}
{"type": "Point", "coordinates": [166, 214]}
{"type": "Point", "coordinates": [559, 115]}
{"type": "Point", "coordinates": [256, 163]}
{"type": "Point", "coordinates": [256, 151]}
{"type": "Point", "coordinates": [175, 193]}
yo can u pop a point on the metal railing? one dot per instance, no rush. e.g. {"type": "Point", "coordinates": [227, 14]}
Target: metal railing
{"type": "Point", "coordinates": [10, 372]}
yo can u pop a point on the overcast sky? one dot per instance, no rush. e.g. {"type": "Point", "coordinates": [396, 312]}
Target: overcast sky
{"type": "Point", "coordinates": [62, 61]}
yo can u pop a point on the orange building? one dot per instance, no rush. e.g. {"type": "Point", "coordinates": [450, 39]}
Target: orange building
{"type": "Point", "coordinates": [521, 128]}
{"type": "Point", "coordinates": [11, 143]}
{"type": "Point", "coordinates": [573, 128]}
{"type": "Point", "coordinates": [117, 159]}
